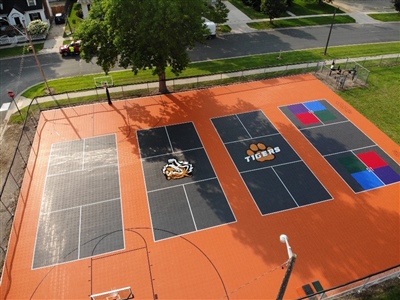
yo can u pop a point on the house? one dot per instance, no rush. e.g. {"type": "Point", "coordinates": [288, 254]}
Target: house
{"type": "Point", "coordinates": [85, 4]}
{"type": "Point", "coordinates": [22, 12]}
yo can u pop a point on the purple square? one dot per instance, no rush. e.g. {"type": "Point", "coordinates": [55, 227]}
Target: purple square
{"type": "Point", "coordinates": [387, 174]}
{"type": "Point", "coordinates": [298, 109]}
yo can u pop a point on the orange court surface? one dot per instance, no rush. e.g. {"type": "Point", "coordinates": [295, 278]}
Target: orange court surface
{"type": "Point", "coordinates": [217, 236]}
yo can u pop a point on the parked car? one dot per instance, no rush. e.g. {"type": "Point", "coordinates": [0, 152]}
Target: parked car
{"type": "Point", "coordinates": [59, 18]}
{"type": "Point", "coordinates": [212, 28]}
{"type": "Point", "coordinates": [73, 48]}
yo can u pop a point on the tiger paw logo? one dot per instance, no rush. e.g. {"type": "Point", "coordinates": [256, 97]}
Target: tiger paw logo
{"type": "Point", "coordinates": [175, 169]}
{"type": "Point", "coordinates": [260, 152]}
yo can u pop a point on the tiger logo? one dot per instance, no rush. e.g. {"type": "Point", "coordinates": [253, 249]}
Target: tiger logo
{"type": "Point", "coordinates": [175, 169]}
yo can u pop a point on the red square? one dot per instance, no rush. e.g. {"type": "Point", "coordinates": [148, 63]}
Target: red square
{"type": "Point", "coordinates": [308, 118]}
{"type": "Point", "coordinates": [372, 159]}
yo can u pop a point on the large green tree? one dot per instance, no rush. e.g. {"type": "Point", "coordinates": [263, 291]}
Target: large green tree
{"type": "Point", "coordinates": [141, 34]}
{"type": "Point", "coordinates": [273, 8]}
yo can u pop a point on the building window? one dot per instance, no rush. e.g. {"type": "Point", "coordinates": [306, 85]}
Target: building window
{"type": "Point", "coordinates": [35, 16]}
{"type": "Point", "coordinates": [31, 2]}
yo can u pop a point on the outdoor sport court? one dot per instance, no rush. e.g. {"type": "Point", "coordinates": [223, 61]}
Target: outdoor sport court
{"type": "Point", "coordinates": [184, 196]}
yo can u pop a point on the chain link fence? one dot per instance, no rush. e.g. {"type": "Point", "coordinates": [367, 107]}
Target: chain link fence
{"type": "Point", "coordinates": [13, 175]}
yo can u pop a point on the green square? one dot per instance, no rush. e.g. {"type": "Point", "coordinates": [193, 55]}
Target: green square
{"type": "Point", "coordinates": [352, 164]}
{"type": "Point", "coordinates": [325, 115]}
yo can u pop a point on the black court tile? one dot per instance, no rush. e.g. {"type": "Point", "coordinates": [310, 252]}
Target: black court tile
{"type": "Point", "coordinates": [153, 142]}
{"type": "Point", "coordinates": [268, 191]}
{"type": "Point", "coordinates": [230, 129]}
{"type": "Point", "coordinates": [57, 238]}
{"type": "Point", "coordinates": [155, 179]}
{"type": "Point", "coordinates": [183, 137]}
{"type": "Point", "coordinates": [101, 228]}
{"type": "Point", "coordinates": [339, 137]}
{"type": "Point", "coordinates": [80, 188]}
{"type": "Point", "coordinates": [245, 158]}
{"type": "Point", "coordinates": [302, 183]}
{"type": "Point", "coordinates": [257, 124]}
{"type": "Point", "coordinates": [170, 213]}
{"type": "Point", "coordinates": [208, 203]}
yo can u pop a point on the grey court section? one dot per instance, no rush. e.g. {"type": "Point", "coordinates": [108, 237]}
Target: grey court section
{"type": "Point", "coordinates": [279, 184]}
{"type": "Point", "coordinates": [81, 213]}
{"type": "Point", "coordinates": [185, 205]}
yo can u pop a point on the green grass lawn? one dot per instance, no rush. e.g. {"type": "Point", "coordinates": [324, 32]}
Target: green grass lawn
{"type": "Point", "coordinates": [120, 78]}
{"type": "Point", "coordinates": [19, 50]}
{"type": "Point", "coordinates": [379, 102]}
{"type": "Point", "coordinates": [307, 7]}
{"type": "Point", "coordinates": [390, 17]}
{"type": "Point", "coordinates": [297, 22]}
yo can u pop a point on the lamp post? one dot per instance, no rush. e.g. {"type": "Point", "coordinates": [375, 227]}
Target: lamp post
{"type": "Point", "coordinates": [292, 259]}
{"type": "Point", "coordinates": [12, 96]}
{"type": "Point", "coordinates": [330, 31]}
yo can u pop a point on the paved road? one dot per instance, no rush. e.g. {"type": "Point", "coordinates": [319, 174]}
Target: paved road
{"type": "Point", "coordinates": [17, 74]}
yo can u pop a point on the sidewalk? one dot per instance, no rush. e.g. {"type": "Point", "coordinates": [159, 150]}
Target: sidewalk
{"type": "Point", "coordinates": [23, 102]}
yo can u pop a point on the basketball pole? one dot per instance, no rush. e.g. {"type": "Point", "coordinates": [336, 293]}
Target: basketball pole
{"type": "Point", "coordinates": [290, 266]}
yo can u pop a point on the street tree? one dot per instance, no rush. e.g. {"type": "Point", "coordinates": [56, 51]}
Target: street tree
{"type": "Point", "coordinates": [273, 8]}
{"type": "Point", "coordinates": [136, 34]}
{"type": "Point", "coordinates": [217, 13]}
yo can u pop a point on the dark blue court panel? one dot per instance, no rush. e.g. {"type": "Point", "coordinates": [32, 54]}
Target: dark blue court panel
{"type": "Point", "coordinates": [282, 152]}
{"type": "Point", "coordinates": [268, 191]}
{"type": "Point", "coordinates": [188, 204]}
{"type": "Point", "coordinates": [338, 137]}
{"type": "Point", "coordinates": [230, 129]}
{"type": "Point", "coordinates": [152, 167]}
{"type": "Point", "coordinates": [275, 175]}
{"type": "Point", "coordinates": [81, 212]}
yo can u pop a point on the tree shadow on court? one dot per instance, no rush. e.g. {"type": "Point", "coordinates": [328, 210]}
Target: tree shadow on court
{"type": "Point", "coordinates": [336, 241]}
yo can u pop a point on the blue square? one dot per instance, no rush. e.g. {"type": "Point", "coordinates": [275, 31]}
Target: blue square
{"type": "Point", "coordinates": [314, 105]}
{"type": "Point", "coordinates": [367, 179]}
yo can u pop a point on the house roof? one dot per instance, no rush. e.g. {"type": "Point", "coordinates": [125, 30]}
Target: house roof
{"type": "Point", "coordinates": [20, 5]}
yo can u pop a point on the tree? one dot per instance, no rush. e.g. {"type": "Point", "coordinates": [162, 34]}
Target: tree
{"type": "Point", "coordinates": [37, 27]}
{"type": "Point", "coordinates": [273, 8]}
{"type": "Point", "coordinates": [139, 34]}
{"type": "Point", "coordinates": [217, 13]}
{"type": "Point", "coordinates": [396, 4]}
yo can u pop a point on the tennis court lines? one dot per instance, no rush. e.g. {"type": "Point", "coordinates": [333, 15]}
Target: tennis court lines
{"type": "Point", "coordinates": [356, 158]}
{"type": "Point", "coordinates": [184, 194]}
{"type": "Point", "coordinates": [275, 175]}
{"type": "Point", "coordinates": [81, 213]}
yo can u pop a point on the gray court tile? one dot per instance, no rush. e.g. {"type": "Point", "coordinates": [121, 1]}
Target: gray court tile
{"type": "Point", "coordinates": [170, 213]}
{"type": "Point", "coordinates": [209, 204]}
{"type": "Point", "coordinates": [101, 228]}
{"type": "Point", "coordinates": [66, 157]}
{"type": "Point", "coordinates": [100, 151]}
{"type": "Point", "coordinates": [57, 238]}
{"type": "Point", "coordinates": [336, 138]}
{"type": "Point", "coordinates": [80, 188]}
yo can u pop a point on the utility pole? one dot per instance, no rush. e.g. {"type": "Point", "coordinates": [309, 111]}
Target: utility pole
{"type": "Point", "coordinates": [330, 31]}
{"type": "Point", "coordinates": [36, 58]}
{"type": "Point", "coordinates": [292, 259]}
